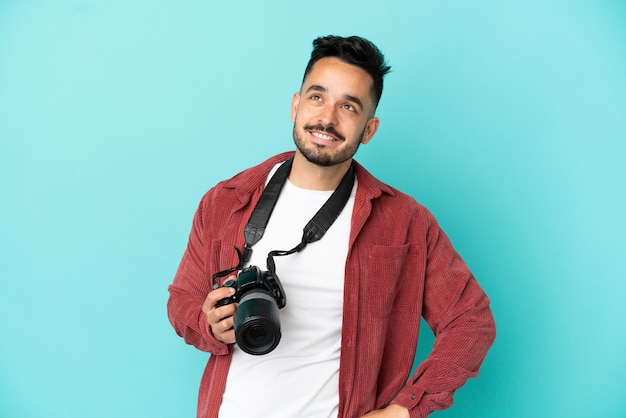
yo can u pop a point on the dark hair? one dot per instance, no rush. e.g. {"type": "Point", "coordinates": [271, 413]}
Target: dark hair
{"type": "Point", "coordinates": [353, 50]}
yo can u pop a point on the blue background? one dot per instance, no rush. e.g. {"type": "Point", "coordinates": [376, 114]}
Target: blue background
{"type": "Point", "coordinates": [506, 119]}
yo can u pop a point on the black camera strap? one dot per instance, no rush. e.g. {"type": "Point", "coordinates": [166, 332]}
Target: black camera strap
{"type": "Point", "coordinates": [314, 229]}
{"type": "Point", "coordinates": [255, 228]}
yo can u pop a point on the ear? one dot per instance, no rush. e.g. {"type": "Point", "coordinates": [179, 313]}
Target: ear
{"type": "Point", "coordinates": [370, 129]}
{"type": "Point", "coordinates": [295, 101]}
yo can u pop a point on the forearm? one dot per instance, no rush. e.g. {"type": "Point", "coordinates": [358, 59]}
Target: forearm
{"type": "Point", "coordinates": [189, 322]}
{"type": "Point", "coordinates": [187, 295]}
{"type": "Point", "coordinates": [457, 354]}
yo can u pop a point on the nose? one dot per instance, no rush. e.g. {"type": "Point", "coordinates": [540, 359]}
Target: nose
{"type": "Point", "coordinates": [328, 115]}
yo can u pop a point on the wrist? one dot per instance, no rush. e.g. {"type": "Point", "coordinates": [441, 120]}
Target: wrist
{"type": "Point", "coordinates": [398, 411]}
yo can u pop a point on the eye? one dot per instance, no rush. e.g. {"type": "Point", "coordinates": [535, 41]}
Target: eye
{"type": "Point", "coordinates": [316, 97]}
{"type": "Point", "coordinates": [349, 107]}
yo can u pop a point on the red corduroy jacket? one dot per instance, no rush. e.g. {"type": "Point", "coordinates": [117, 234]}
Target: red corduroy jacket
{"type": "Point", "coordinates": [400, 266]}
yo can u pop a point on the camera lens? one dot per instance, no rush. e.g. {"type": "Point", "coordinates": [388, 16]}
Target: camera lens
{"type": "Point", "coordinates": [257, 335]}
{"type": "Point", "coordinates": [257, 325]}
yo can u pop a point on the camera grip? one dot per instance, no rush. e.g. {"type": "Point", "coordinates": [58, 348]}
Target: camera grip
{"type": "Point", "coordinates": [228, 300]}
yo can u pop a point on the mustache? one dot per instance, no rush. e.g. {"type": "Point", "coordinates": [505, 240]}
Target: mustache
{"type": "Point", "coordinates": [327, 129]}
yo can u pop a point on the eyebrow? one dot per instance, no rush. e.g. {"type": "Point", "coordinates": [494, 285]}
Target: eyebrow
{"type": "Point", "coordinates": [322, 89]}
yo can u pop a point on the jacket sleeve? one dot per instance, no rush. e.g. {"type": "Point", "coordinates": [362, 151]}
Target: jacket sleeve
{"type": "Point", "coordinates": [191, 285]}
{"type": "Point", "coordinates": [457, 310]}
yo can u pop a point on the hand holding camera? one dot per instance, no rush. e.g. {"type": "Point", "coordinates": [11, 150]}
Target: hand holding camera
{"type": "Point", "coordinates": [259, 295]}
{"type": "Point", "coordinates": [220, 317]}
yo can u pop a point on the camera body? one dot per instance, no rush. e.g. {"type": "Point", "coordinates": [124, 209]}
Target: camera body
{"type": "Point", "coordinates": [257, 322]}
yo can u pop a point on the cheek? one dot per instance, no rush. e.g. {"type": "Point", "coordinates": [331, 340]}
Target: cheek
{"type": "Point", "coordinates": [298, 114]}
{"type": "Point", "coordinates": [357, 128]}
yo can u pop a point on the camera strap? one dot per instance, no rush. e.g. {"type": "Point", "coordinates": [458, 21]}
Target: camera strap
{"type": "Point", "coordinates": [313, 231]}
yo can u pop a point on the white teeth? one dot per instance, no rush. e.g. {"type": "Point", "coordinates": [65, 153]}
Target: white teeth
{"type": "Point", "coordinates": [322, 136]}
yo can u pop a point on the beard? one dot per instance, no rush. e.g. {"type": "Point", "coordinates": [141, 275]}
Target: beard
{"type": "Point", "coordinates": [318, 154]}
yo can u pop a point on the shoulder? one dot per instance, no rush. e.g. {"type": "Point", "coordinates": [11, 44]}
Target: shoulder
{"type": "Point", "coordinates": [251, 177]}
{"type": "Point", "coordinates": [388, 198]}
{"type": "Point", "coordinates": [248, 180]}
{"type": "Point", "coordinates": [227, 196]}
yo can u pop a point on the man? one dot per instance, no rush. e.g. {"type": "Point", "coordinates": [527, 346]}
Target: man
{"type": "Point", "coordinates": [355, 296]}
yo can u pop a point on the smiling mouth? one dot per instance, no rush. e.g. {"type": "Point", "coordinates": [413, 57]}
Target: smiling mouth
{"type": "Point", "coordinates": [324, 133]}
{"type": "Point", "coordinates": [323, 136]}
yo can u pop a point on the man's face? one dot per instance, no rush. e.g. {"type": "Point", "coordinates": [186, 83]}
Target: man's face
{"type": "Point", "coordinates": [333, 113]}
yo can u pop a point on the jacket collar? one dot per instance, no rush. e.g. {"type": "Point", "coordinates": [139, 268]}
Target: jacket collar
{"type": "Point", "coordinates": [246, 182]}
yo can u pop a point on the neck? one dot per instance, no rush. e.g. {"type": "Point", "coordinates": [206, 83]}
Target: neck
{"type": "Point", "coordinates": [306, 175]}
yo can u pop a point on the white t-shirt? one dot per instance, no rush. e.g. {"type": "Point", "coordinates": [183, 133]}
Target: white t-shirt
{"type": "Point", "coordinates": [300, 377]}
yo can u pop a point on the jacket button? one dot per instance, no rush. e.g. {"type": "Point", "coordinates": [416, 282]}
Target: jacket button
{"type": "Point", "coordinates": [413, 396]}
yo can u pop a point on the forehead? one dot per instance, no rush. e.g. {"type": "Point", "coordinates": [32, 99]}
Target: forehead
{"type": "Point", "coordinates": [341, 78]}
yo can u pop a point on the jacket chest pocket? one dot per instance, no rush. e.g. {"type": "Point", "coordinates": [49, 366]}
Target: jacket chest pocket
{"type": "Point", "coordinates": [381, 270]}
{"type": "Point", "coordinates": [218, 257]}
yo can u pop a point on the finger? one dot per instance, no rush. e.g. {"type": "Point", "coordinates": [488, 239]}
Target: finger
{"type": "Point", "coordinates": [224, 330]}
{"type": "Point", "coordinates": [227, 324]}
{"type": "Point", "coordinates": [219, 293]}
{"type": "Point", "coordinates": [217, 315]}
{"type": "Point", "coordinates": [214, 296]}
{"type": "Point", "coordinates": [228, 337]}
{"type": "Point", "coordinates": [221, 319]}
{"type": "Point", "coordinates": [225, 311]}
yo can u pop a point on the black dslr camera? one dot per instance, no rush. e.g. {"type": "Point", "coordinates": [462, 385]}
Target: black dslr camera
{"type": "Point", "coordinates": [257, 324]}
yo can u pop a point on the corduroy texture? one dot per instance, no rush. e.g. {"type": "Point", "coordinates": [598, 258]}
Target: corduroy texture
{"type": "Point", "coordinates": [400, 266]}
